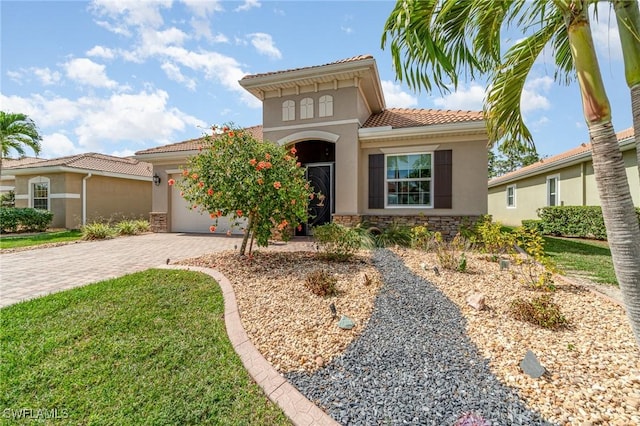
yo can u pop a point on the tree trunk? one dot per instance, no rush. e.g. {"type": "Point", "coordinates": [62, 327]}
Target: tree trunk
{"type": "Point", "coordinates": [621, 223]}
{"type": "Point", "coordinates": [247, 232]}
{"type": "Point", "coordinates": [628, 18]}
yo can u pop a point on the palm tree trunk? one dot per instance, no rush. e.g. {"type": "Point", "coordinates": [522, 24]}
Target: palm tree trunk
{"type": "Point", "coordinates": [621, 223]}
{"type": "Point", "coordinates": [628, 18]}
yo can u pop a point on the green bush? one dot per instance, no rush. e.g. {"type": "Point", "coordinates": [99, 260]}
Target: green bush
{"type": "Point", "coordinates": [421, 237]}
{"type": "Point", "coordinates": [338, 242]}
{"type": "Point", "coordinates": [533, 225]}
{"type": "Point", "coordinates": [575, 221]}
{"type": "Point", "coordinates": [24, 219]}
{"type": "Point", "coordinates": [142, 226]}
{"type": "Point", "coordinates": [541, 311]}
{"type": "Point", "coordinates": [493, 239]}
{"type": "Point", "coordinates": [127, 227]}
{"type": "Point", "coordinates": [392, 235]}
{"type": "Point", "coordinates": [98, 231]}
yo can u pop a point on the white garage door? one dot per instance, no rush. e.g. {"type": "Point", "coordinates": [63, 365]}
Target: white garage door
{"type": "Point", "coordinates": [184, 219]}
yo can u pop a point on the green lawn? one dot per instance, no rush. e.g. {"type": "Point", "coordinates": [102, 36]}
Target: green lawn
{"type": "Point", "coordinates": [36, 239]}
{"type": "Point", "coordinates": [148, 348]}
{"type": "Point", "coordinates": [589, 258]}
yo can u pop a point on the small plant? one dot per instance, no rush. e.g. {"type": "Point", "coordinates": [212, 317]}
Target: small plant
{"type": "Point", "coordinates": [97, 231]}
{"type": "Point", "coordinates": [451, 254]}
{"type": "Point", "coordinates": [541, 311]}
{"type": "Point", "coordinates": [321, 283]}
{"type": "Point", "coordinates": [339, 242]}
{"type": "Point", "coordinates": [393, 235]}
{"type": "Point", "coordinates": [142, 226]}
{"type": "Point", "coordinates": [471, 419]}
{"type": "Point", "coordinates": [493, 239]}
{"type": "Point", "coordinates": [536, 269]}
{"type": "Point", "coordinates": [127, 227]}
{"type": "Point", "coordinates": [421, 237]}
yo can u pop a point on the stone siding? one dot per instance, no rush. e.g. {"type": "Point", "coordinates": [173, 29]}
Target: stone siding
{"type": "Point", "coordinates": [158, 222]}
{"type": "Point", "coordinates": [448, 226]}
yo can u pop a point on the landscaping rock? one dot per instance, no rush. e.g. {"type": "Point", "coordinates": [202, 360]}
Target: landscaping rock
{"type": "Point", "coordinates": [476, 301]}
{"type": "Point", "coordinates": [531, 366]}
{"type": "Point", "coordinates": [346, 323]}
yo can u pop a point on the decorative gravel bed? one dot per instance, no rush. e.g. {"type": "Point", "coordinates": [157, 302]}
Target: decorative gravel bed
{"type": "Point", "coordinates": [425, 356]}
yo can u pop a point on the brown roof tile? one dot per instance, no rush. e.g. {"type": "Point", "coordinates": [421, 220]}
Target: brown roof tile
{"type": "Point", "coordinates": [584, 148]}
{"type": "Point", "coordinates": [8, 163]}
{"type": "Point", "coordinates": [341, 61]}
{"type": "Point", "coordinates": [193, 144]}
{"type": "Point", "coordinates": [98, 162]}
{"type": "Point", "coordinates": [404, 117]}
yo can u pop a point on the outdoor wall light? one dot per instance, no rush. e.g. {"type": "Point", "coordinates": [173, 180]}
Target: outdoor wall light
{"type": "Point", "coordinates": [156, 179]}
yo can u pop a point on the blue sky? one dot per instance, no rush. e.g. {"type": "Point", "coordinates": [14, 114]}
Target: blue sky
{"type": "Point", "coordinates": [119, 76]}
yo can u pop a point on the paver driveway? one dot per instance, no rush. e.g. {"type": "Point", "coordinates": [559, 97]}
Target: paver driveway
{"type": "Point", "coordinates": [28, 274]}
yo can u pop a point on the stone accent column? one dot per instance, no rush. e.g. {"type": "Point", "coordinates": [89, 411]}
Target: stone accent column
{"type": "Point", "coordinates": [158, 222]}
{"type": "Point", "coordinates": [347, 220]}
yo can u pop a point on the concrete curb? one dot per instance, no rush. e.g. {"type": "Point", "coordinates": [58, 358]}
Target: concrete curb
{"type": "Point", "coordinates": [296, 406]}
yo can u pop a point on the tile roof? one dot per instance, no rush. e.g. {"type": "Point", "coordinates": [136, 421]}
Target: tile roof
{"type": "Point", "coordinates": [583, 149]}
{"type": "Point", "coordinates": [193, 144]}
{"type": "Point", "coordinates": [404, 117]}
{"type": "Point", "coordinates": [341, 61]}
{"type": "Point", "coordinates": [95, 161]}
{"type": "Point", "coordinates": [8, 163]}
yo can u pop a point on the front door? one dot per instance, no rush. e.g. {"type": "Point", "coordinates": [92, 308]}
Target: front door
{"type": "Point", "coordinates": [320, 208]}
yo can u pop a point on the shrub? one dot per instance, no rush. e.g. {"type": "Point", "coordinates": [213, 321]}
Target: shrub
{"type": "Point", "coordinates": [321, 283]}
{"type": "Point", "coordinates": [142, 226]}
{"type": "Point", "coordinates": [97, 231]}
{"type": "Point", "coordinates": [533, 225]}
{"type": "Point", "coordinates": [24, 219]}
{"type": "Point", "coordinates": [421, 237]}
{"type": "Point", "coordinates": [339, 242]}
{"type": "Point", "coordinates": [537, 268]}
{"type": "Point", "coordinates": [451, 254]}
{"type": "Point", "coordinates": [493, 239]}
{"type": "Point", "coordinates": [575, 221]}
{"type": "Point", "coordinates": [393, 235]}
{"type": "Point", "coordinates": [541, 311]}
{"type": "Point", "coordinates": [8, 199]}
{"type": "Point", "coordinates": [127, 227]}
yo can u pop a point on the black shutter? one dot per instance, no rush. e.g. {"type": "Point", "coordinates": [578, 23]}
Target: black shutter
{"type": "Point", "coordinates": [443, 179]}
{"type": "Point", "coordinates": [376, 181]}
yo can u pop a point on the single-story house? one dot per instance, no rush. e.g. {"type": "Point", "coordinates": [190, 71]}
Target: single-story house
{"type": "Point", "coordinates": [565, 179]}
{"type": "Point", "coordinates": [82, 188]}
{"type": "Point", "coordinates": [8, 181]}
{"type": "Point", "coordinates": [372, 163]}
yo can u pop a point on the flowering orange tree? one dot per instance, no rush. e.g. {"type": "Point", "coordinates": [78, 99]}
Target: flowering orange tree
{"type": "Point", "coordinates": [239, 176]}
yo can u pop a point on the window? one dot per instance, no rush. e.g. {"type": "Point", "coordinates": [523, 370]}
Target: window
{"type": "Point", "coordinates": [511, 196]}
{"type": "Point", "coordinates": [553, 190]}
{"type": "Point", "coordinates": [40, 195]}
{"type": "Point", "coordinates": [408, 180]}
{"type": "Point", "coordinates": [288, 111]}
{"type": "Point", "coordinates": [306, 108]}
{"type": "Point", "coordinates": [325, 106]}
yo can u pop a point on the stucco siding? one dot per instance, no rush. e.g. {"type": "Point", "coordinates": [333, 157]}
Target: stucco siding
{"type": "Point", "coordinates": [114, 198]}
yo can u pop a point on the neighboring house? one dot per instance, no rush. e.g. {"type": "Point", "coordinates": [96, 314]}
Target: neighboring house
{"type": "Point", "coordinates": [373, 164]}
{"type": "Point", "coordinates": [565, 179]}
{"type": "Point", "coordinates": [8, 181]}
{"type": "Point", "coordinates": [83, 188]}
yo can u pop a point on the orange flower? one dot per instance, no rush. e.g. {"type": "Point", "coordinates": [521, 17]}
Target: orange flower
{"type": "Point", "coordinates": [231, 134]}
{"type": "Point", "coordinates": [299, 228]}
{"type": "Point", "coordinates": [294, 150]}
{"type": "Point", "coordinates": [293, 202]}
{"type": "Point", "coordinates": [287, 157]}
{"type": "Point", "coordinates": [209, 191]}
{"type": "Point", "coordinates": [267, 156]}
{"type": "Point", "coordinates": [267, 165]}
{"type": "Point", "coordinates": [213, 215]}
{"type": "Point", "coordinates": [298, 164]}
{"type": "Point", "coordinates": [311, 196]}
{"type": "Point", "coordinates": [283, 225]}
{"type": "Point", "coordinates": [253, 161]}
{"type": "Point", "coordinates": [212, 228]}
{"type": "Point", "coordinates": [182, 193]}
{"type": "Point", "coordinates": [239, 213]}
{"type": "Point", "coordinates": [171, 182]}
{"type": "Point", "coordinates": [194, 176]}
{"type": "Point", "coordinates": [225, 129]}
{"type": "Point", "coordinates": [195, 206]}
{"type": "Point", "coordinates": [277, 185]}
{"type": "Point", "coordinates": [185, 172]}
{"type": "Point", "coordinates": [201, 184]}
{"type": "Point", "coordinates": [260, 181]}
{"type": "Point", "coordinates": [219, 213]}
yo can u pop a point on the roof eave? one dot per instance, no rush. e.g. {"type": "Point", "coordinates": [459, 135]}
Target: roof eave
{"type": "Point", "coordinates": [66, 169]}
{"type": "Point", "coordinates": [386, 132]}
{"type": "Point", "coordinates": [165, 156]}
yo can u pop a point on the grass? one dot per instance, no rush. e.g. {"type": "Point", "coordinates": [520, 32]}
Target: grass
{"type": "Point", "coordinates": [589, 258]}
{"type": "Point", "coordinates": [147, 348]}
{"type": "Point", "coordinates": [7, 242]}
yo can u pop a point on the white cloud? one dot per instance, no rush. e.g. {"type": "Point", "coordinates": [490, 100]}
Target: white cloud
{"type": "Point", "coordinates": [203, 8]}
{"type": "Point", "coordinates": [347, 30]}
{"type": "Point", "coordinates": [87, 72]}
{"type": "Point", "coordinates": [118, 29]}
{"type": "Point", "coordinates": [131, 12]}
{"type": "Point", "coordinates": [533, 98]}
{"type": "Point", "coordinates": [173, 72]}
{"type": "Point", "coordinates": [248, 4]}
{"type": "Point", "coordinates": [101, 52]}
{"type": "Point", "coordinates": [123, 153]}
{"type": "Point", "coordinates": [471, 98]}
{"type": "Point", "coordinates": [605, 33]}
{"type": "Point", "coordinates": [395, 97]}
{"type": "Point", "coordinates": [264, 45]}
{"type": "Point", "coordinates": [15, 76]}
{"type": "Point", "coordinates": [46, 76]}
{"type": "Point", "coordinates": [58, 145]}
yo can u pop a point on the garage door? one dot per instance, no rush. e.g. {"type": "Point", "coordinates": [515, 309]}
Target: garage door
{"type": "Point", "coordinates": [184, 219]}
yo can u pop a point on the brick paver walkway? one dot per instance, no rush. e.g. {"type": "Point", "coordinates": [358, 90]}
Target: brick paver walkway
{"type": "Point", "coordinates": [28, 274]}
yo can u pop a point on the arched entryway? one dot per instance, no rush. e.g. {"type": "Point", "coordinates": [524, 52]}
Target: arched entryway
{"type": "Point", "coordinates": [318, 157]}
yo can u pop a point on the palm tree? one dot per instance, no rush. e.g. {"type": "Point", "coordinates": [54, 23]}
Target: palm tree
{"type": "Point", "coordinates": [628, 17]}
{"type": "Point", "coordinates": [432, 41]}
{"type": "Point", "coordinates": [17, 131]}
